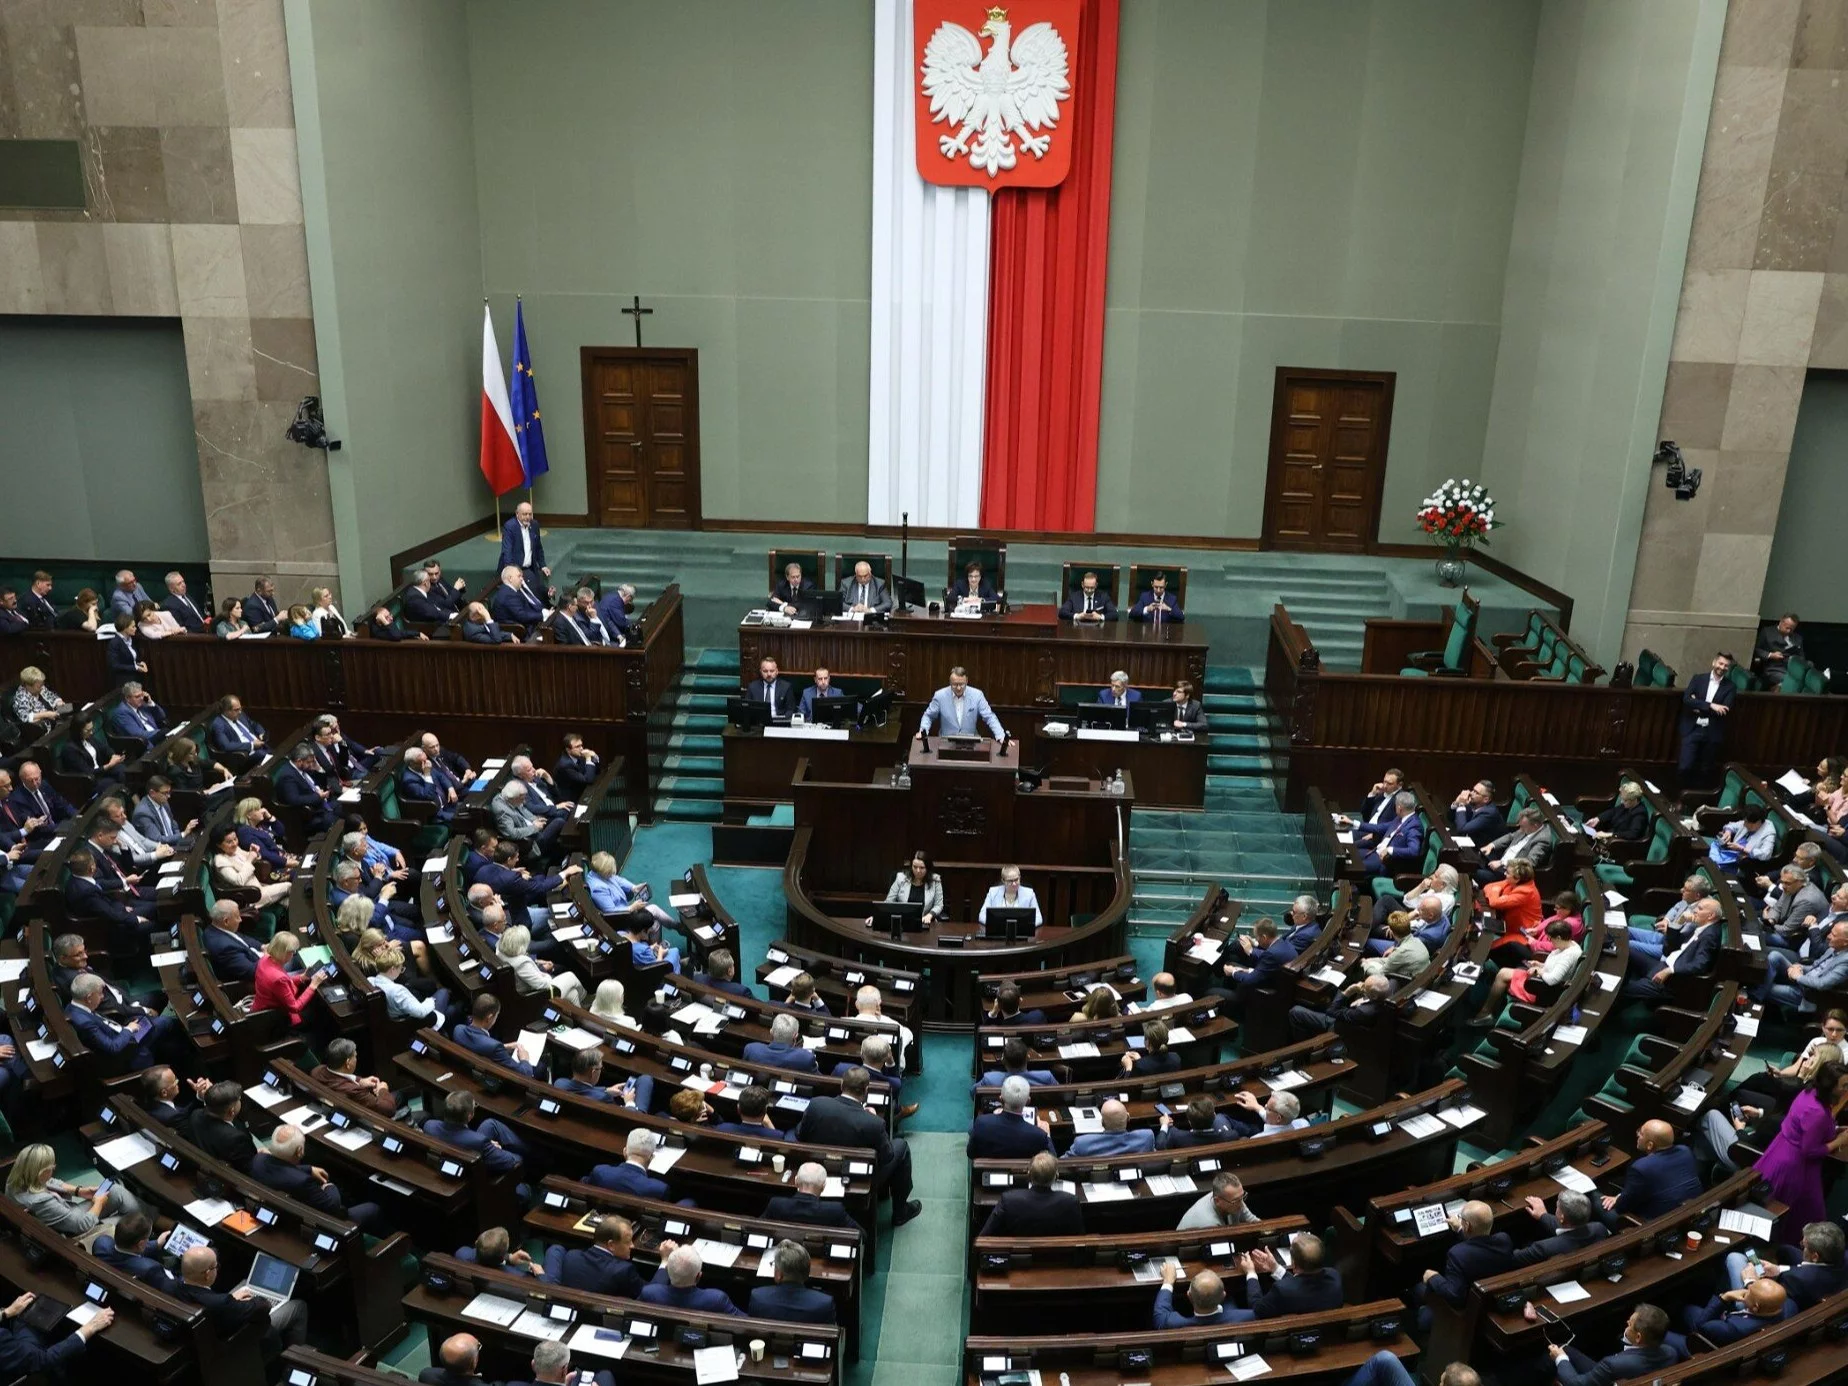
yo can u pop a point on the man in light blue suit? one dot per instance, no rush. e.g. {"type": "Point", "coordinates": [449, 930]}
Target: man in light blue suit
{"type": "Point", "coordinates": [1115, 1139]}
{"type": "Point", "coordinates": [959, 710]}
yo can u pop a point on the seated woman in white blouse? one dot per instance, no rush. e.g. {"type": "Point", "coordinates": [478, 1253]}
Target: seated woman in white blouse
{"type": "Point", "coordinates": [533, 977]}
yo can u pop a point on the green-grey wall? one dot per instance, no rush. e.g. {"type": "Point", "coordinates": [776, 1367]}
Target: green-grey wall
{"type": "Point", "coordinates": [1615, 129]}
{"type": "Point", "coordinates": [100, 440]}
{"type": "Point", "coordinates": [388, 184]}
{"type": "Point", "coordinates": [1809, 534]}
{"type": "Point", "coordinates": [1321, 183]}
{"type": "Point", "coordinates": [715, 158]}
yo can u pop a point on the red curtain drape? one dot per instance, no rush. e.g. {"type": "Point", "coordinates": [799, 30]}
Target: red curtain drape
{"type": "Point", "coordinates": [1048, 252]}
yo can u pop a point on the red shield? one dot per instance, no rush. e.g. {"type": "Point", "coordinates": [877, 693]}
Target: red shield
{"type": "Point", "coordinates": [995, 104]}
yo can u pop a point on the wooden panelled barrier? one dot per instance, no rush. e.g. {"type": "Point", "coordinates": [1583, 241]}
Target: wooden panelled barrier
{"type": "Point", "coordinates": [478, 698]}
{"type": "Point", "coordinates": [1338, 730]}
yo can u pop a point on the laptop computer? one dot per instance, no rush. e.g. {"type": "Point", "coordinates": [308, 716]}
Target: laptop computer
{"type": "Point", "coordinates": [270, 1278]}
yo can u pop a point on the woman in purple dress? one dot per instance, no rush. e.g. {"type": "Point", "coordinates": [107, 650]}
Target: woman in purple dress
{"type": "Point", "coordinates": [1792, 1164]}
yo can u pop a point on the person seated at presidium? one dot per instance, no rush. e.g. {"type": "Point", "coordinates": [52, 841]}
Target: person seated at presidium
{"type": "Point", "coordinates": [957, 709]}
{"type": "Point", "coordinates": [1088, 602]}
{"type": "Point", "coordinates": [972, 591]}
{"type": "Point", "coordinates": [1156, 603]}
{"type": "Point", "coordinates": [772, 689]}
{"type": "Point", "coordinates": [1011, 894]}
{"type": "Point", "coordinates": [1119, 693]}
{"type": "Point", "coordinates": [791, 589]}
{"type": "Point", "coordinates": [862, 592]}
{"type": "Point", "coordinates": [1189, 714]}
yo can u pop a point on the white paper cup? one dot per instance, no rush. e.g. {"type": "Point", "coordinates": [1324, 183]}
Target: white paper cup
{"type": "Point", "coordinates": [776, 1163]}
{"type": "Point", "coordinates": [757, 1349]}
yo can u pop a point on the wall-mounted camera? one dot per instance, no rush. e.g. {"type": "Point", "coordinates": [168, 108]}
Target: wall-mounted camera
{"type": "Point", "coordinates": [309, 428]}
{"type": "Point", "coordinates": [1682, 479]}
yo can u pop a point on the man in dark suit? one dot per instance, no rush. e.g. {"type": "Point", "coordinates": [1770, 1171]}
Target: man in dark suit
{"type": "Point", "coordinates": [614, 610]}
{"type": "Point", "coordinates": [1570, 1227]}
{"type": "Point", "coordinates": [1734, 1314]}
{"type": "Point", "coordinates": [1088, 603]}
{"type": "Point", "coordinates": [499, 1146]}
{"type": "Point", "coordinates": [1363, 1004]}
{"type": "Point", "coordinates": [236, 739]}
{"type": "Point", "coordinates": [1706, 703]}
{"type": "Point", "coordinates": [722, 974]}
{"type": "Point", "coordinates": [677, 1285]}
{"type": "Point", "coordinates": [552, 1367]}
{"type": "Point", "coordinates": [23, 1351]}
{"type": "Point", "coordinates": [13, 621]}
{"type": "Point", "coordinates": [605, 1267]}
{"type": "Point", "coordinates": [577, 769]}
{"type": "Point", "coordinates": [36, 603]}
{"type": "Point", "coordinates": [806, 1205]}
{"type": "Point", "coordinates": [632, 1176]}
{"type": "Point", "coordinates": [163, 1096]}
{"type": "Point", "coordinates": [1270, 953]}
{"type": "Point", "coordinates": [576, 621]}
{"type": "Point", "coordinates": [422, 781]}
{"type": "Point", "coordinates": [1642, 1351]}
{"type": "Point", "coordinates": [478, 1036]}
{"type": "Point", "coordinates": [1006, 1009]}
{"type": "Point", "coordinates": [129, 1252]}
{"type": "Point", "coordinates": [1157, 603]}
{"type": "Point", "coordinates": [1038, 1210]}
{"type": "Point", "coordinates": [260, 608]}
{"type": "Point", "coordinates": [284, 1168]}
{"type": "Point", "coordinates": [1309, 1285]}
{"type": "Point", "coordinates": [216, 1130]}
{"type": "Point", "coordinates": [1779, 645]}
{"type": "Point", "coordinates": [130, 922]}
{"type": "Point", "coordinates": [1660, 1179]}
{"type": "Point", "coordinates": [1202, 1303]}
{"type": "Point", "coordinates": [458, 1363]}
{"type": "Point", "coordinates": [233, 954]}
{"type": "Point", "coordinates": [137, 717]}
{"type": "Point", "coordinates": [182, 608]}
{"type": "Point", "coordinates": [784, 1048]}
{"type": "Point", "coordinates": [427, 601]}
{"type": "Point", "coordinates": [791, 589]}
{"type": "Point", "coordinates": [479, 628]}
{"type": "Point", "coordinates": [523, 548]}
{"type": "Point", "coordinates": [1475, 814]}
{"type": "Point", "coordinates": [1479, 1253]}
{"type": "Point", "coordinates": [299, 784]}
{"type": "Point", "coordinates": [36, 806]}
{"type": "Point", "coordinates": [844, 1120]}
{"type": "Point", "coordinates": [1007, 1134]}
{"type": "Point", "coordinates": [1809, 1274]}
{"type": "Point", "coordinates": [286, 1324]}
{"type": "Point", "coordinates": [1695, 958]}
{"type": "Point", "coordinates": [790, 1298]}
{"type": "Point", "coordinates": [1013, 1060]}
{"type": "Point", "coordinates": [754, 1105]}
{"type": "Point", "coordinates": [515, 603]}
{"type": "Point", "coordinates": [862, 592]}
{"type": "Point", "coordinates": [1396, 844]}
{"type": "Point", "coordinates": [772, 688]}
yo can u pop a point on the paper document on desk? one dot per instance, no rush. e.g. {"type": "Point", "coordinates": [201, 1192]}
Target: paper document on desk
{"type": "Point", "coordinates": [350, 1137]}
{"type": "Point", "coordinates": [1180, 1034]}
{"type": "Point", "coordinates": [1167, 1185]}
{"type": "Point", "coordinates": [433, 866]}
{"type": "Point", "coordinates": [12, 968]}
{"type": "Point", "coordinates": [1462, 1116]}
{"type": "Point", "coordinates": [691, 1012]}
{"type": "Point", "coordinates": [1247, 1367]}
{"type": "Point", "coordinates": [1086, 1120]}
{"type": "Point", "coordinates": [712, 1365]}
{"type": "Point", "coordinates": [1433, 1000]}
{"type": "Point", "coordinates": [1746, 1224]}
{"type": "Point", "coordinates": [1084, 1049]}
{"type": "Point", "coordinates": [157, 960]}
{"type": "Point", "coordinates": [1746, 1025]}
{"type": "Point", "coordinates": [494, 1309]}
{"type": "Point", "coordinates": [717, 1253]}
{"type": "Point", "coordinates": [1334, 976]}
{"type": "Point", "coordinates": [574, 1038]}
{"type": "Point", "coordinates": [533, 1324]}
{"type": "Point", "coordinates": [834, 1187]}
{"type": "Point", "coordinates": [124, 1152]}
{"type": "Point", "coordinates": [766, 1264]}
{"type": "Point", "coordinates": [782, 976]}
{"type": "Point", "coordinates": [440, 933]}
{"type": "Point", "coordinates": [1568, 1292]}
{"type": "Point", "coordinates": [1420, 1126]}
{"type": "Point", "coordinates": [1107, 1193]}
{"type": "Point", "coordinates": [265, 1096]}
{"type": "Point", "coordinates": [41, 1050]}
{"type": "Point", "coordinates": [1570, 1034]}
{"type": "Point", "coordinates": [1576, 1180]}
{"type": "Point", "coordinates": [304, 1117]}
{"type": "Point", "coordinates": [666, 1158]}
{"type": "Point", "coordinates": [1690, 1097]}
{"type": "Point", "coordinates": [1429, 1219]}
{"type": "Point", "coordinates": [1150, 1270]}
{"type": "Point", "coordinates": [1462, 840]}
{"type": "Point", "coordinates": [1793, 782]}
{"type": "Point", "coordinates": [594, 1340]}
{"type": "Point", "coordinates": [1206, 950]}
{"type": "Point", "coordinates": [209, 1212]}
{"type": "Point", "coordinates": [1345, 837]}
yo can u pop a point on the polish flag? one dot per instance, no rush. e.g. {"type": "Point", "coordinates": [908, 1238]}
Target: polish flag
{"type": "Point", "coordinates": [500, 455]}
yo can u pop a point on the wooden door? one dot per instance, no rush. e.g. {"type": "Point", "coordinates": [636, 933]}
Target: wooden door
{"type": "Point", "coordinates": [641, 436]}
{"type": "Point", "coordinates": [1327, 460]}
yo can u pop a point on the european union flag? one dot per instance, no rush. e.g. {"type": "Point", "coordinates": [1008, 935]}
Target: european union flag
{"type": "Point", "coordinates": [528, 432]}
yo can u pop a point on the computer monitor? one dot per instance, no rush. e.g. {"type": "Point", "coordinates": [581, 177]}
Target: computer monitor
{"type": "Point", "coordinates": [1103, 715]}
{"type": "Point", "coordinates": [1151, 713]}
{"type": "Point", "coordinates": [875, 707]}
{"type": "Point", "coordinates": [834, 712]}
{"type": "Point", "coordinates": [908, 591]}
{"type": "Point", "coordinates": [899, 917]}
{"type": "Point", "coordinates": [746, 714]}
{"type": "Point", "coordinates": [815, 605]}
{"type": "Point", "coordinates": [1010, 922]}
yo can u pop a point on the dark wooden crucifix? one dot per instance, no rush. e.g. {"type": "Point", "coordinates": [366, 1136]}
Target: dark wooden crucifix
{"type": "Point", "coordinates": [638, 313]}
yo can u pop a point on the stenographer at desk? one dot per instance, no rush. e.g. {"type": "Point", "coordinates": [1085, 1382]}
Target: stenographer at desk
{"type": "Point", "coordinates": [959, 710]}
{"type": "Point", "coordinates": [1010, 895]}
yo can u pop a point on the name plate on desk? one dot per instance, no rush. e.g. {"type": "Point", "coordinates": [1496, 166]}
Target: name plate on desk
{"type": "Point", "coordinates": [1107, 734]}
{"type": "Point", "coordinates": [809, 733]}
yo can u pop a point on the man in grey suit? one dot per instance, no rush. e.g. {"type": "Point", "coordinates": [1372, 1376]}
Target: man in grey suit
{"type": "Point", "coordinates": [514, 821]}
{"type": "Point", "coordinates": [865, 593]}
{"type": "Point", "coordinates": [1528, 840]}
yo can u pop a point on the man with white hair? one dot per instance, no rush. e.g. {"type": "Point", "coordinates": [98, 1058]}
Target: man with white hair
{"type": "Point", "coordinates": [806, 1205]}
{"type": "Point", "coordinates": [790, 1299]}
{"type": "Point", "coordinates": [542, 795]}
{"type": "Point", "coordinates": [181, 607]}
{"type": "Point", "coordinates": [552, 1367]}
{"type": "Point", "coordinates": [283, 1168]}
{"type": "Point", "coordinates": [632, 1176]}
{"type": "Point", "coordinates": [514, 603]}
{"type": "Point", "coordinates": [1387, 848]}
{"type": "Point", "coordinates": [1119, 694]}
{"type": "Point", "coordinates": [128, 593]}
{"type": "Point", "coordinates": [1009, 1134]}
{"type": "Point", "coordinates": [423, 781]}
{"type": "Point", "coordinates": [144, 1042]}
{"type": "Point", "coordinates": [862, 592]}
{"type": "Point", "coordinates": [1442, 883]}
{"type": "Point", "coordinates": [1281, 1111]}
{"type": "Point", "coordinates": [868, 1004]}
{"type": "Point", "coordinates": [615, 607]}
{"type": "Point", "coordinates": [676, 1284]}
{"type": "Point", "coordinates": [1302, 928]}
{"type": "Point", "coordinates": [522, 548]}
{"type": "Point", "coordinates": [784, 1049]}
{"type": "Point", "coordinates": [516, 822]}
{"type": "Point", "coordinates": [876, 1058]}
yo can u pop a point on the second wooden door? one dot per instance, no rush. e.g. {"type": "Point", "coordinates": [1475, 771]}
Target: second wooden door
{"type": "Point", "coordinates": [1329, 431]}
{"type": "Point", "coordinates": [641, 436]}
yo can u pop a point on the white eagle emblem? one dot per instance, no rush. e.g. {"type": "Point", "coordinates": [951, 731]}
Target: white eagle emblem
{"type": "Point", "coordinates": [1010, 91]}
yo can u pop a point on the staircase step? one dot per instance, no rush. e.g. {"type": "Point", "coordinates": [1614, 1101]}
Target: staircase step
{"type": "Point", "coordinates": [691, 787]}
{"type": "Point", "coordinates": [690, 810]}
